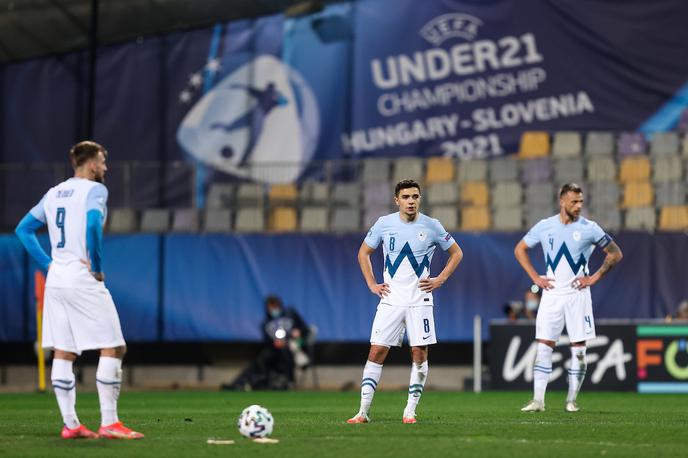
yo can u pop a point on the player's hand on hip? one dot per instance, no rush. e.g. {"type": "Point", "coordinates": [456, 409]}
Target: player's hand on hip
{"type": "Point", "coordinates": [428, 284]}
{"type": "Point", "coordinates": [100, 276]}
{"type": "Point", "coordinates": [583, 282]}
{"type": "Point", "coordinates": [380, 290]}
{"type": "Point", "coordinates": [544, 282]}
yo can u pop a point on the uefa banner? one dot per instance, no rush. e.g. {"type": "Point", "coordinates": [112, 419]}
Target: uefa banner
{"type": "Point", "coordinates": [649, 358]}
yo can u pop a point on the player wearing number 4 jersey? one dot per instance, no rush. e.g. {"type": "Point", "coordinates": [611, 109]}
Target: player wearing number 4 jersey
{"type": "Point", "coordinates": [568, 240]}
{"type": "Point", "coordinates": [78, 311]}
{"type": "Point", "coordinates": [409, 239]}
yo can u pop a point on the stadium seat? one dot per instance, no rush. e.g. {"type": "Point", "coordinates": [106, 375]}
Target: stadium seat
{"type": "Point", "coordinates": [375, 170]}
{"type": "Point", "coordinates": [684, 146]}
{"type": "Point", "coordinates": [448, 215]}
{"type": "Point", "coordinates": [508, 219]}
{"type": "Point", "coordinates": [534, 144]}
{"type": "Point", "coordinates": [641, 218]}
{"type": "Point", "coordinates": [631, 144]}
{"type": "Point", "coordinates": [568, 170]}
{"type": "Point", "coordinates": [599, 144]}
{"type": "Point", "coordinates": [667, 168]}
{"type": "Point", "coordinates": [348, 194]}
{"type": "Point", "coordinates": [674, 218]}
{"type": "Point", "coordinates": [503, 169]}
{"type": "Point", "coordinates": [475, 218]}
{"type": "Point", "coordinates": [670, 193]}
{"type": "Point", "coordinates": [371, 215]}
{"type": "Point", "coordinates": [535, 214]}
{"type": "Point", "coordinates": [217, 220]}
{"type": "Point", "coordinates": [122, 220]}
{"type": "Point", "coordinates": [408, 168]}
{"type": "Point", "coordinates": [220, 195]}
{"type": "Point", "coordinates": [249, 220]}
{"type": "Point", "coordinates": [601, 169]}
{"type": "Point", "coordinates": [472, 170]}
{"type": "Point", "coordinates": [634, 169]}
{"type": "Point", "coordinates": [603, 194]}
{"type": "Point", "coordinates": [346, 220]}
{"type": "Point", "coordinates": [441, 193]}
{"type": "Point", "coordinates": [506, 194]}
{"type": "Point", "coordinates": [439, 170]}
{"type": "Point", "coordinates": [664, 143]}
{"type": "Point", "coordinates": [682, 125]}
{"type": "Point", "coordinates": [566, 144]}
{"type": "Point", "coordinates": [637, 194]}
{"type": "Point", "coordinates": [185, 220]}
{"type": "Point", "coordinates": [250, 194]}
{"type": "Point", "coordinates": [283, 193]}
{"type": "Point", "coordinates": [378, 194]}
{"type": "Point", "coordinates": [283, 219]}
{"type": "Point", "coordinates": [536, 170]}
{"type": "Point", "coordinates": [155, 220]}
{"type": "Point", "coordinates": [609, 218]}
{"type": "Point", "coordinates": [475, 193]}
{"type": "Point", "coordinates": [314, 192]}
{"type": "Point", "coordinates": [541, 195]}
{"type": "Point", "coordinates": [313, 219]}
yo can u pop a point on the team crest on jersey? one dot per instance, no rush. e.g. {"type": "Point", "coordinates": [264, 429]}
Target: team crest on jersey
{"type": "Point", "coordinates": [422, 236]}
{"type": "Point", "coordinates": [576, 236]}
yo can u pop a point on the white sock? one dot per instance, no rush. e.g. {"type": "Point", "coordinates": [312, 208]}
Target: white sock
{"type": "Point", "coordinates": [541, 371]}
{"type": "Point", "coordinates": [371, 376]}
{"type": "Point", "coordinates": [419, 374]}
{"type": "Point", "coordinates": [576, 372]}
{"type": "Point", "coordinates": [109, 382]}
{"type": "Point", "coordinates": [64, 385]}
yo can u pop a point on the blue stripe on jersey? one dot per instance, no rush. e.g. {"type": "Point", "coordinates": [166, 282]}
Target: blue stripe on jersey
{"type": "Point", "coordinates": [565, 253]}
{"type": "Point", "coordinates": [407, 252]}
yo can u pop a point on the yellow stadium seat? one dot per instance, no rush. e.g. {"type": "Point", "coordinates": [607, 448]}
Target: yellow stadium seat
{"type": "Point", "coordinates": [283, 219]}
{"type": "Point", "coordinates": [634, 169]}
{"type": "Point", "coordinates": [475, 218]}
{"type": "Point", "coordinates": [534, 144]}
{"type": "Point", "coordinates": [674, 218]}
{"type": "Point", "coordinates": [439, 170]}
{"type": "Point", "coordinates": [283, 193]}
{"type": "Point", "coordinates": [638, 194]}
{"type": "Point", "coordinates": [475, 193]}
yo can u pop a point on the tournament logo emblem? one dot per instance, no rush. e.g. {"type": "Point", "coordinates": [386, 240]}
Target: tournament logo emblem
{"type": "Point", "coordinates": [259, 115]}
{"type": "Point", "coordinates": [451, 25]}
{"type": "Point", "coordinates": [422, 236]}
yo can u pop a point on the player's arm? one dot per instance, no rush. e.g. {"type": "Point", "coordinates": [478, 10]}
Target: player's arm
{"type": "Point", "coordinates": [95, 217]}
{"type": "Point", "coordinates": [455, 256]}
{"type": "Point", "coordinates": [26, 232]}
{"type": "Point", "coordinates": [613, 257]}
{"type": "Point", "coordinates": [379, 289]}
{"type": "Point", "coordinates": [523, 258]}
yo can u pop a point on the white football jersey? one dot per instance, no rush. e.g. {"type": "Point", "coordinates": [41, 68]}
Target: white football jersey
{"type": "Point", "coordinates": [63, 209]}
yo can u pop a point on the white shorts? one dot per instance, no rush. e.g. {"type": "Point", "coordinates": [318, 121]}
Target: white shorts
{"type": "Point", "coordinates": [574, 310]}
{"type": "Point", "coordinates": [391, 322]}
{"type": "Point", "coordinates": [76, 319]}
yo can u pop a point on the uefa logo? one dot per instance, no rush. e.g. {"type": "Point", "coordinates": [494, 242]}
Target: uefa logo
{"type": "Point", "coordinates": [259, 122]}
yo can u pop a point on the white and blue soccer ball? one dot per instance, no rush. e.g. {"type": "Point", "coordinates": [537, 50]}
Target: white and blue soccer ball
{"type": "Point", "coordinates": [255, 422]}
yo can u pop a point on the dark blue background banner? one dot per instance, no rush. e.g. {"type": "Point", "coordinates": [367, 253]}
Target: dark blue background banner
{"type": "Point", "coordinates": [374, 77]}
{"type": "Point", "coordinates": [211, 287]}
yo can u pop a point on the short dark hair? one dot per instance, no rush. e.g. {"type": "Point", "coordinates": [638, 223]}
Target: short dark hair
{"type": "Point", "coordinates": [405, 184]}
{"type": "Point", "coordinates": [84, 151]}
{"type": "Point", "coordinates": [273, 299]}
{"type": "Point", "coordinates": [570, 187]}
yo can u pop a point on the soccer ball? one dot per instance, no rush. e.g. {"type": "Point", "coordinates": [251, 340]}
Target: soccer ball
{"type": "Point", "coordinates": [255, 421]}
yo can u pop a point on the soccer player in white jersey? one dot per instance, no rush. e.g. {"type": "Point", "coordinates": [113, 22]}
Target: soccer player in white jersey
{"type": "Point", "coordinates": [79, 313]}
{"type": "Point", "coordinates": [409, 239]}
{"type": "Point", "coordinates": [567, 240]}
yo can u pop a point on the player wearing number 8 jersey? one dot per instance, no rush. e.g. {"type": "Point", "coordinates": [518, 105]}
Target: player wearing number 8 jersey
{"type": "Point", "coordinates": [79, 313]}
{"type": "Point", "coordinates": [567, 240]}
{"type": "Point", "coordinates": [409, 239]}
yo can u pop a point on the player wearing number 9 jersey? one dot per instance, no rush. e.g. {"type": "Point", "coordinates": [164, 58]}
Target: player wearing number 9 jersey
{"type": "Point", "coordinates": [409, 239]}
{"type": "Point", "coordinates": [79, 313]}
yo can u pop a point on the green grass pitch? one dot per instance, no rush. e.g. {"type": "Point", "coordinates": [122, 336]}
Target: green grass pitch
{"type": "Point", "coordinates": [178, 423]}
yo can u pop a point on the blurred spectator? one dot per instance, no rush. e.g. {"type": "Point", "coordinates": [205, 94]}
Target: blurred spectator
{"type": "Point", "coordinates": [284, 333]}
{"type": "Point", "coordinates": [525, 309]}
{"type": "Point", "coordinates": [681, 312]}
